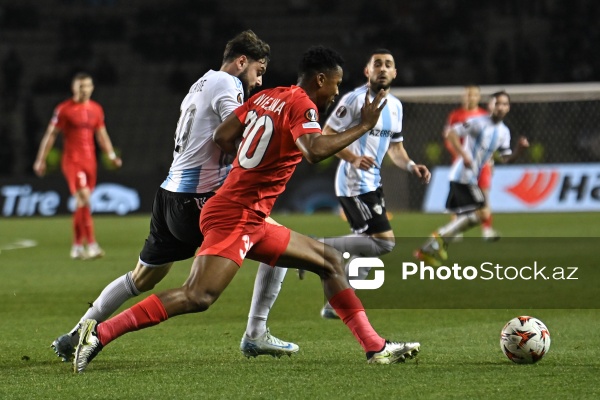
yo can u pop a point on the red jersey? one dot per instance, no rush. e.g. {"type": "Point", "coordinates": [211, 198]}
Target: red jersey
{"type": "Point", "coordinates": [268, 154]}
{"type": "Point", "coordinates": [78, 123]}
{"type": "Point", "coordinates": [461, 115]}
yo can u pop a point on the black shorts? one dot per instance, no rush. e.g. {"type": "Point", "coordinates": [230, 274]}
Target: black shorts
{"type": "Point", "coordinates": [464, 198]}
{"type": "Point", "coordinates": [366, 212]}
{"type": "Point", "coordinates": [174, 227]}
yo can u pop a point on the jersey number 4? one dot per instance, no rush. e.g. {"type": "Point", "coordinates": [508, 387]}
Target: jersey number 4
{"type": "Point", "coordinates": [257, 136]}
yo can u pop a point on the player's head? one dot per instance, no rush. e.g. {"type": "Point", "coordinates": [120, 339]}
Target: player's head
{"type": "Point", "coordinates": [82, 87]}
{"type": "Point", "coordinates": [381, 69]}
{"type": "Point", "coordinates": [250, 56]}
{"type": "Point", "coordinates": [320, 74]}
{"type": "Point", "coordinates": [499, 105]}
{"type": "Point", "coordinates": [471, 97]}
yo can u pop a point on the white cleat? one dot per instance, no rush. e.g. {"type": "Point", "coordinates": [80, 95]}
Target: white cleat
{"type": "Point", "coordinates": [64, 346]}
{"type": "Point", "coordinates": [490, 235]}
{"type": "Point", "coordinates": [327, 312]}
{"type": "Point", "coordinates": [88, 347]}
{"type": "Point", "coordinates": [78, 252]}
{"type": "Point", "coordinates": [267, 344]}
{"type": "Point", "coordinates": [394, 352]}
{"type": "Point", "coordinates": [94, 251]}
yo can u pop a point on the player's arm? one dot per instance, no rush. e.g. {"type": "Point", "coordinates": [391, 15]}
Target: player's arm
{"type": "Point", "coordinates": [228, 134]}
{"type": "Point", "coordinates": [317, 147]}
{"type": "Point", "coordinates": [106, 146]}
{"type": "Point", "coordinates": [522, 145]}
{"type": "Point", "coordinates": [454, 140]}
{"type": "Point", "coordinates": [39, 166]}
{"type": "Point", "coordinates": [400, 158]}
{"type": "Point", "coordinates": [360, 162]}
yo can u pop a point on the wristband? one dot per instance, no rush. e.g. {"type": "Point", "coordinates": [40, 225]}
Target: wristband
{"type": "Point", "coordinates": [112, 156]}
{"type": "Point", "coordinates": [410, 166]}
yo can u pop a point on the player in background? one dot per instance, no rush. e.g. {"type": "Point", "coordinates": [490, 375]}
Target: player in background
{"type": "Point", "coordinates": [277, 127]}
{"type": "Point", "coordinates": [482, 137]}
{"type": "Point", "coordinates": [199, 167]}
{"type": "Point", "coordinates": [468, 109]}
{"type": "Point", "coordinates": [79, 119]}
{"type": "Point", "coordinates": [358, 184]}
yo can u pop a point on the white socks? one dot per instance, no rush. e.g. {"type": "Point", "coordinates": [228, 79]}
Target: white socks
{"type": "Point", "coordinates": [360, 244]}
{"type": "Point", "coordinates": [460, 224]}
{"type": "Point", "coordinates": [266, 288]}
{"type": "Point", "coordinates": [112, 297]}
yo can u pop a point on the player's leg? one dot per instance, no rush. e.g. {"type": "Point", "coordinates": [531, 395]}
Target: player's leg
{"type": "Point", "coordinates": [257, 340]}
{"type": "Point", "coordinates": [464, 200]}
{"type": "Point", "coordinates": [73, 176]}
{"type": "Point", "coordinates": [372, 237]}
{"type": "Point", "coordinates": [93, 248]}
{"type": "Point", "coordinates": [174, 235]}
{"type": "Point", "coordinates": [230, 231]}
{"type": "Point", "coordinates": [208, 278]}
{"type": "Point", "coordinates": [311, 255]}
{"type": "Point", "coordinates": [488, 233]}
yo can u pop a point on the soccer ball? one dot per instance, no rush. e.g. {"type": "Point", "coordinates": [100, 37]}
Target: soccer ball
{"type": "Point", "coordinates": [525, 340]}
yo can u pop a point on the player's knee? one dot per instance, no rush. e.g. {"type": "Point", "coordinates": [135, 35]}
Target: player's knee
{"type": "Point", "coordinates": [199, 301]}
{"type": "Point", "coordinates": [483, 214]}
{"type": "Point", "coordinates": [383, 246]}
{"type": "Point", "coordinates": [333, 265]}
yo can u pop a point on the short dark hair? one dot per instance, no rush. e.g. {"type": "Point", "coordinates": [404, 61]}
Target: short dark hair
{"type": "Point", "coordinates": [378, 51]}
{"type": "Point", "coordinates": [319, 59]}
{"type": "Point", "coordinates": [81, 76]}
{"type": "Point", "coordinates": [500, 93]}
{"type": "Point", "coordinates": [247, 44]}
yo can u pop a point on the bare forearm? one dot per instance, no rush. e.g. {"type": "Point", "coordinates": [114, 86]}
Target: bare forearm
{"type": "Point", "coordinates": [324, 146]}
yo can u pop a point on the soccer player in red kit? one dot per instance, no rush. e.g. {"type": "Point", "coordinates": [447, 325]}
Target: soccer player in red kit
{"type": "Point", "coordinates": [277, 127]}
{"type": "Point", "coordinates": [79, 119]}
{"type": "Point", "coordinates": [470, 108]}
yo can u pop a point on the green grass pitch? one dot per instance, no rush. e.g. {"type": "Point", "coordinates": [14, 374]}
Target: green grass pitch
{"type": "Point", "coordinates": [43, 293]}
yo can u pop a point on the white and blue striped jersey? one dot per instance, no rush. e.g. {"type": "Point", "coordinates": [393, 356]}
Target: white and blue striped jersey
{"type": "Point", "coordinates": [482, 137]}
{"type": "Point", "coordinates": [351, 181]}
{"type": "Point", "coordinates": [199, 166]}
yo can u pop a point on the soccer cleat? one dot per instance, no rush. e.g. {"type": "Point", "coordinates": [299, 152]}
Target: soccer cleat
{"type": "Point", "coordinates": [328, 312]}
{"type": "Point", "coordinates": [394, 352]}
{"type": "Point", "coordinates": [64, 346]}
{"type": "Point", "coordinates": [78, 252]}
{"type": "Point", "coordinates": [267, 344]}
{"type": "Point", "coordinates": [94, 251]}
{"type": "Point", "coordinates": [490, 235]}
{"type": "Point", "coordinates": [433, 253]}
{"type": "Point", "coordinates": [88, 347]}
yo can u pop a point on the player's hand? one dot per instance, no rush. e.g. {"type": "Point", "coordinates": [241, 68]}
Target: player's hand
{"type": "Point", "coordinates": [363, 162]}
{"type": "Point", "coordinates": [371, 111]}
{"type": "Point", "coordinates": [39, 167]}
{"type": "Point", "coordinates": [522, 142]}
{"type": "Point", "coordinates": [467, 162]}
{"type": "Point", "coordinates": [117, 162]}
{"type": "Point", "coordinates": [422, 172]}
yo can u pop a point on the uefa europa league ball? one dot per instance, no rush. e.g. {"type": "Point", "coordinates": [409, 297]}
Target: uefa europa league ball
{"type": "Point", "coordinates": [525, 340]}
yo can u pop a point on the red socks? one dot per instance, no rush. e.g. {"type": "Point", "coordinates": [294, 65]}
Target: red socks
{"type": "Point", "coordinates": [146, 313]}
{"type": "Point", "coordinates": [352, 312]}
{"type": "Point", "coordinates": [78, 232]}
{"type": "Point", "coordinates": [83, 225]}
{"type": "Point", "coordinates": [487, 223]}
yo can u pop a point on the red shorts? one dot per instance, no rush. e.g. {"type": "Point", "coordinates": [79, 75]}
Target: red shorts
{"type": "Point", "coordinates": [80, 176]}
{"type": "Point", "coordinates": [234, 231]}
{"type": "Point", "coordinates": [485, 177]}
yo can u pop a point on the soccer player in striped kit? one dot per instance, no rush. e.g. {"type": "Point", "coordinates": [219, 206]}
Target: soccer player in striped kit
{"type": "Point", "coordinates": [482, 137]}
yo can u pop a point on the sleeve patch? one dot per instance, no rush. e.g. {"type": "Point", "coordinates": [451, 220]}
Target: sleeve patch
{"type": "Point", "coordinates": [311, 115]}
{"type": "Point", "coordinates": [341, 112]}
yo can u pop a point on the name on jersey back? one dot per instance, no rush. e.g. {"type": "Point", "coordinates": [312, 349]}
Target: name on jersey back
{"type": "Point", "coordinates": [270, 103]}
